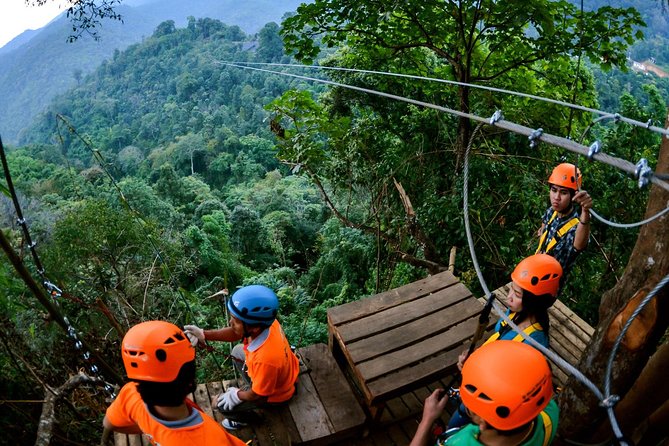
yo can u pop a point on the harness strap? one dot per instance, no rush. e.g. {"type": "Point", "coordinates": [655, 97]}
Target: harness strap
{"type": "Point", "coordinates": [548, 427]}
{"type": "Point", "coordinates": [566, 227]}
{"type": "Point", "coordinates": [518, 338]}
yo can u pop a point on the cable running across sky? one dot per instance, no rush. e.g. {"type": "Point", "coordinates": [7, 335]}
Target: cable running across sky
{"type": "Point", "coordinates": [497, 121]}
{"type": "Point", "coordinates": [647, 125]}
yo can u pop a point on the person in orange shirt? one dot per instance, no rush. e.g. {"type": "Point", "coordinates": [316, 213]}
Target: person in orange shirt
{"type": "Point", "coordinates": [266, 362]}
{"type": "Point", "coordinates": [161, 362]}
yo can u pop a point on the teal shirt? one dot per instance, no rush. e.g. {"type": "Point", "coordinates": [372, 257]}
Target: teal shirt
{"type": "Point", "coordinates": [469, 434]}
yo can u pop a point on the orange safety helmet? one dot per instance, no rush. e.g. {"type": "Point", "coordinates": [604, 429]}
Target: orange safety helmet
{"type": "Point", "coordinates": [539, 274]}
{"type": "Point", "coordinates": [506, 383]}
{"type": "Point", "coordinates": [155, 351]}
{"type": "Point", "coordinates": [563, 175]}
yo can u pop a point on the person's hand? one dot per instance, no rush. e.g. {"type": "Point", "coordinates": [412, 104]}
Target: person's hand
{"type": "Point", "coordinates": [583, 199]}
{"type": "Point", "coordinates": [194, 334]}
{"type": "Point", "coordinates": [462, 358]}
{"type": "Point", "coordinates": [228, 400]}
{"type": "Point", "coordinates": [434, 405]}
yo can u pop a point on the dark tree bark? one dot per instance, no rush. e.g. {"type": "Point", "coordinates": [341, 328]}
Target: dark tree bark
{"type": "Point", "coordinates": [48, 419]}
{"type": "Point", "coordinates": [581, 416]}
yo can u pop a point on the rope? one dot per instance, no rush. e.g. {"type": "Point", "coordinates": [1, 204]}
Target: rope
{"type": "Point", "coordinates": [608, 115]}
{"type": "Point", "coordinates": [628, 225]}
{"type": "Point", "coordinates": [53, 291]}
{"type": "Point", "coordinates": [564, 143]}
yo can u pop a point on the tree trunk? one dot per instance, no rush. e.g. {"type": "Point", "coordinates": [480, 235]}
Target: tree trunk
{"type": "Point", "coordinates": [464, 126]}
{"type": "Point", "coordinates": [51, 397]}
{"type": "Point", "coordinates": [648, 264]}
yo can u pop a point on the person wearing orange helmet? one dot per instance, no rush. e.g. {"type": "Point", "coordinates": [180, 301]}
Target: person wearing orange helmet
{"type": "Point", "coordinates": [564, 232]}
{"type": "Point", "coordinates": [507, 391]}
{"type": "Point", "coordinates": [534, 288]}
{"type": "Point", "coordinates": [160, 361]}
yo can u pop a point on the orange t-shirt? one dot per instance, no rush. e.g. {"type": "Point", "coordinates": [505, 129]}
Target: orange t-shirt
{"type": "Point", "coordinates": [198, 429]}
{"type": "Point", "coordinates": [272, 366]}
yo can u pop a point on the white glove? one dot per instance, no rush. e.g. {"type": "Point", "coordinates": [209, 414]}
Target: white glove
{"type": "Point", "coordinates": [194, 334]}
{"type": "Point", "coordinates": [228, 400]}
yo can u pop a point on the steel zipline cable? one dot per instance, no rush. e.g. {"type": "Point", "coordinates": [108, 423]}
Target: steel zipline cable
{"type": "Point", "coordinates": [497, 121]}
{"type": "Point", "coordinates": [532, 134]}
{"type": "Point", "coordinates": [647, 125]}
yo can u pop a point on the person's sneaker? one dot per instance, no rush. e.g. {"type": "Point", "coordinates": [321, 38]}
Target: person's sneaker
{"type": "Point", "coordinates": [232, 425]}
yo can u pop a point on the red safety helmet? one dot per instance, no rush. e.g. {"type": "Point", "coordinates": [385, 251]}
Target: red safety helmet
{"type": "Point", "coordinates": [506, 383]}
{"type": "Point", "coordinates": [539, 274]}
{"type": "Point", "coordinates": [566, 175]}
{"type": "Point", "coordinates": [155, 351]}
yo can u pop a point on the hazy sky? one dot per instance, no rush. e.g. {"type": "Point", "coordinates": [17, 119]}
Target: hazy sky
{"type": "Point", "coordinates": [16, 17]}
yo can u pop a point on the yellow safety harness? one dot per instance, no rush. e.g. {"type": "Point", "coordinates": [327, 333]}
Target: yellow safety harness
{"type": "Point", "coordinates": [548, 427]}
{"type": "Point", "coordinates": [518, 338]}
{"type": "Point", "coordinates": [558, 235]}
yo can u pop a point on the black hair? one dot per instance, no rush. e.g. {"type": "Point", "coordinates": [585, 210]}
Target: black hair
{"type": "Point", "coordinates": [170, 394]}
{"type": "Point", "coordinates": [533, 306]}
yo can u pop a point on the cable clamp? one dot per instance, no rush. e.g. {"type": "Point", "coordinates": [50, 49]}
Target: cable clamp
{"type": "Point", "coordinates": [609, 402]}
{"type": "Point", "coordinates": [649, 123]}
{"type": "Point", "coordinates": [94, 369]}
{"type": "Point", "coordinates": [496, 117]}
{"type": "Point", "coordinates": [643, 172]}
{"type": "Point", "coordinates": [594, 149]}
{"type": "Point", "coordinates": [53, 289]}
{"type": "Point", "coordinates": [534, 136]}
{"type": "Point", "coordinates": [616, 117]}
{"type": "Point", "coordinates": [21, 221]}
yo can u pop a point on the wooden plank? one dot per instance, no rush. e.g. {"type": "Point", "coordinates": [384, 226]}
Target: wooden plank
{"type": "Point", "coordinates": [385, 320]}
{"type": "Point", "coordinates": [419, 375]}
{"type": "Point", "coordinates": [134, 440]}
{"type": "Point", "coordinates": [414, 404]}
{"type": "Point", "coordinates": [311, 418]}
{"type": "Point", "coordinates": [352, 310]}
{"type": "Point", "coordinates": [213, 389]}
{"type": "Point", "coordinates": [568, 324]}
{"type": "Point", "coordinates": [416, 352]}
{"type": "Point", "coordinates": [414, 332]}
{"type": "Point", "coordinates": [583, 325]}
{"type": "Point", "coordinates": [120, 439]}
{"type": "Point", "coordinates": [334, 392]}
{"type": "Point", "coordinates": [202, 399]}
{"type": "Point", "coordinates": [559, 376]}
{"type": "Point", "coordinates": [397, 408]}
{"type": "Point", "coordinates": [564, 348]}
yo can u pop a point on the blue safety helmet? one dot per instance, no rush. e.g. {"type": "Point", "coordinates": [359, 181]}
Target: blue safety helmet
{"type": "Point", "coordinates": [254, 305]}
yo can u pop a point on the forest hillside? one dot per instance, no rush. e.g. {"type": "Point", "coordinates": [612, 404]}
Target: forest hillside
{"type": "Point", "coordinates": [40, 64]}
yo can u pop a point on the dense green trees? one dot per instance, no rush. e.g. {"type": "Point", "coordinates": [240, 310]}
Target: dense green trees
{"type": "Point", "coordinates": [365, 193]}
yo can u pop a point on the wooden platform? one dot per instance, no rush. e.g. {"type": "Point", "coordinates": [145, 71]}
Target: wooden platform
{"type": "Point", "coordinates": [323, 411]}
{"type": "Point", "coordinates": [400, 340]}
